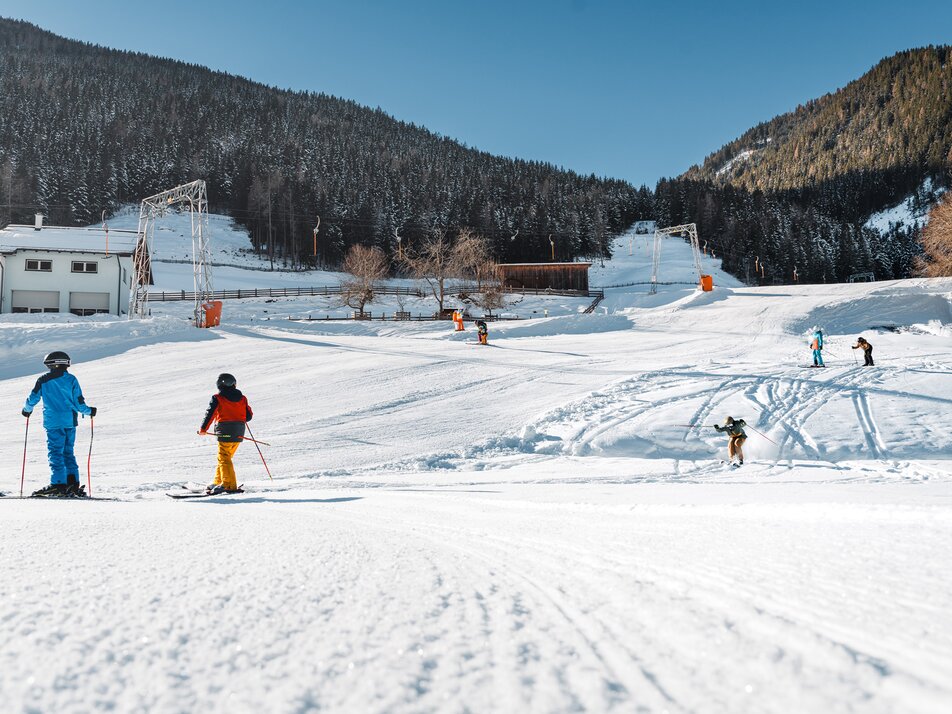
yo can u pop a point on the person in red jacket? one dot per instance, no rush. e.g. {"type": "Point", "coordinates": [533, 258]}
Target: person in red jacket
{"type": "Point", "coordinates": [228, 411]}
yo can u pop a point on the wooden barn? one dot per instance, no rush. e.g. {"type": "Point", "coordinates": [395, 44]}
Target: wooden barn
{"type": "Point", "coordinates": [545, 276]}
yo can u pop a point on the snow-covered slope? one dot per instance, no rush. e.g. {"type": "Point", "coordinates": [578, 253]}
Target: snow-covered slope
{"type": "Point", "coordinates": [544, 524]}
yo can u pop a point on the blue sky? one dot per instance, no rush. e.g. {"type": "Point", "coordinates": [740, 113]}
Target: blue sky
{"type": "Point", "coordinates": [631, 90]}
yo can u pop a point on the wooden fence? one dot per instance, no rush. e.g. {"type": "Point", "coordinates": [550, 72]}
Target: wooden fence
{"type": "Point", "coordinates": [325, 290]}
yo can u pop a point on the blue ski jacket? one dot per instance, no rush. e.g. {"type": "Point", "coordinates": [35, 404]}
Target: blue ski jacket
{"type": "Point", "coordinates": [62, 399]}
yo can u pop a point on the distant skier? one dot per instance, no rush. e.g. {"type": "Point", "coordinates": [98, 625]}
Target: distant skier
{"type": "Point", "coordinates": [816, 344]}
{"type": "Point", "coordinates": [62, 401]}
{"type": "Point", "coordinates": [458, 320]}
{"type": "Point", "coordinates": [867, 348]}
{"type": "Point", "coordinates": [482, 332]}
{"type": "Point", "coordinates": [735, 438]}
{"type": "Point", "coordinates": [228, 411]}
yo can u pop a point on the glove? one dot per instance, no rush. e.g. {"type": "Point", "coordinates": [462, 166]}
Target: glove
{"type": "Point", "coordinates": [26, 413]}
{"type": "Point", "coordinates": [716, 426]}
{"type": "Point", "coordinates": [202, 432]}
{"type": "Point", "coordinates": [92, 411]}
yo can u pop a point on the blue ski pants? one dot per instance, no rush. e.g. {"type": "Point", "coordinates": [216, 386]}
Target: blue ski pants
{"type": "Point", "coordinates": [818, 357]}
{"type": "Point", "coordinates": [59, 443]}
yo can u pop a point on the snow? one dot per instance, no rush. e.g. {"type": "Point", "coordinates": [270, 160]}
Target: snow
{"type": "Point", "coordinates": [908, 213]}
{"type": "Point", "coordinates": [523, 527]}
{"type": "Point", "coordinates": [740, 158]}
{"type": "Point", "coordinates": [91, 239]}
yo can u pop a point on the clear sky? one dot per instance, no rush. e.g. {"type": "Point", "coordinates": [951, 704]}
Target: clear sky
{"type": "Point", "coordinates": [632, 90]}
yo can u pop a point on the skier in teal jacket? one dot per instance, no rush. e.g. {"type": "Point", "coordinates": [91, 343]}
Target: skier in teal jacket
{"type": "Point", "coordinates": [62, 401]}
{"type": "Point", "coordinates": [816, 344]}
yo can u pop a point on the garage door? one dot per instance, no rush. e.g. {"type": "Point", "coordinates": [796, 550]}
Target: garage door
{"type": "Point", "coordinates": [88, 303]}
{"type": "Point", "coordinates": [35, 301]}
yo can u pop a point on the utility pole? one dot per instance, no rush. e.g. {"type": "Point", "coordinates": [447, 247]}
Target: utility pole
{"type": "Point", "coordinates": [552, 243]}
{"type": "Point", "coordinates": [315, 240]}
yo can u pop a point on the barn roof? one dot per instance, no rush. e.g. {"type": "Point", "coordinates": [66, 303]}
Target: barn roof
{"type": "Point", "coordinates": [66, 240]}
{"type": "Point", "coordinates": [544, 265]}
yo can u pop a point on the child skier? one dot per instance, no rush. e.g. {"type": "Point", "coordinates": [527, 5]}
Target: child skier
{"type": "Point", "coordinates": [816, 344]}
{"type": "Point", "coordinates": [736, 438]}
{"type": "Point", "coordinates": [482, 332]}
{"type": "Point", "coordinates": [867, 348]}
{"type": "Point", "coordinates": [230, 409]}
{"type": "Point", "coordinates": [458, 320]}
{"type": "Point", "coordinates": [62, 400]}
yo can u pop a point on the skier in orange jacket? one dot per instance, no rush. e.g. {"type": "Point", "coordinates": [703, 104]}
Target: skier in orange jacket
{"type": "Point", "coordinates": [228, 411]}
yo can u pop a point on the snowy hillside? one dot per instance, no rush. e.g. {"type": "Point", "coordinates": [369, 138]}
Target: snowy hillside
{"type": "Point", "coordinates": [544, 524]}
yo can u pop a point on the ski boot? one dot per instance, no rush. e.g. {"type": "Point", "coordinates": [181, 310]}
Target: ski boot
{"type": "Point", "coordinates": [73, 488]}
{"type": "Point", "coordinates": [54, 490]}
{"type": "Point", "coordinates": [219, 490]}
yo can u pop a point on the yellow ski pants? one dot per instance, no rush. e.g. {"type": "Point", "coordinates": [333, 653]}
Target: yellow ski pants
{"type": "Point", "coordinates": [225, 473]}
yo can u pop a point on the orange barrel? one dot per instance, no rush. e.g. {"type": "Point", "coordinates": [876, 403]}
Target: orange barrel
{"type": "Point", "coordinates": [707, 283]}
{"type": "Point", "coordinates": [212, 310]}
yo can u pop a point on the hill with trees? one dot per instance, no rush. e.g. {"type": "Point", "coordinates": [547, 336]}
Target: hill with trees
{"type": "Point", "coordinates": [85, 128]}
{"type": "Point", "coordinates": [793, 193]}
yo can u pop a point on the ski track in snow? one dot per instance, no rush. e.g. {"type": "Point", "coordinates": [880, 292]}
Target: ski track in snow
{"type": "Point", "coordinates": [523, 529]}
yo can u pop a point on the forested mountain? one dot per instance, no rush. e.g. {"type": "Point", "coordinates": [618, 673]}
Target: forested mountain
{"type": "Point", "coordinates": [85, 128]}
{"type": "Point", "coordinates": [794, 192]}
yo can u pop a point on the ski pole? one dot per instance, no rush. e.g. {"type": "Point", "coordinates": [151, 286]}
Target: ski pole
{"type": "Point", "coordinates": [764, 435]}
{"type": "Point", "coordinates": [259, 451]}
{"type": "Point", "coordinates": [243, 438]}
{"type": "Point", "coordinates": [23, 471]}
{"type": "Point", "coordinates": [89, 458]}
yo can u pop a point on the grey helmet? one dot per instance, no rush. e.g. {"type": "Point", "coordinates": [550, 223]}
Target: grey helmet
{"type": "Point", "coordinates": [56, 359]}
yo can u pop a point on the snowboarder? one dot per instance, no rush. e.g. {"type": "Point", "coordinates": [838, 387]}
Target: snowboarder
{"type": "Point", "coordinates": [735, 438]}
{"type": "Point", "coordinates": [62, 401]}
{"type": "Point", "coordinates": [867, 348]}
{"type": "Point", "coordinates": [482, 332]}
{"type": "Point", "coordinates": [228, 411]}
{"type": "Point", "coordinates": [816, 344]}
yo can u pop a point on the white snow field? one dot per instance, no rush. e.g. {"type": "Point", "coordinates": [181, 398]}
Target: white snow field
{"type": "Point", "coordinates": [524, 527]}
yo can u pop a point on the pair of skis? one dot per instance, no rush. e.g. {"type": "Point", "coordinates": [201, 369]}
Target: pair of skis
{"type": "Point", "coordinates": [194, 490]}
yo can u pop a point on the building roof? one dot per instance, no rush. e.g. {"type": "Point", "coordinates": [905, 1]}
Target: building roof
{"type": "Point", "coordinates": [66, 240]}
{"type": "Point", "coordinates": [544, 265]}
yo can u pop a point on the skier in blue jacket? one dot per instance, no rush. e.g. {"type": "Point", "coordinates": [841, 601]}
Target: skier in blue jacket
{"type": "Point", "coordinates": [816, 344]}
{"type": "Point", "coordinates": [62, 400]}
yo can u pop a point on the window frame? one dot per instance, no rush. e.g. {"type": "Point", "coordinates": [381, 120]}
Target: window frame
{"type": "Point", "coordinates": [39, 263]}
{"type": "Point", "coordinates": [86, 264]}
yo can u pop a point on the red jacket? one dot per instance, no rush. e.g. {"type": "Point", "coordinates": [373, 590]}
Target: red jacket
{"type": "Point", "coordinates": [230, 409]}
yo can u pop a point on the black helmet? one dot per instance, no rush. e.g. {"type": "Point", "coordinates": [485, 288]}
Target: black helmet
{"type": "Point", "coordinates": [56, 359]}
{"type": "Point", "coordinates": [226, 380]}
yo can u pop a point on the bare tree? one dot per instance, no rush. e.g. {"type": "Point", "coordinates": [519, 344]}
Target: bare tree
{"type": "Point", "coordinates": [937, 241]}
{"type": "Point", "coordinates": [434, 263]}
{"type": "Point", "coordinates": [471, 255]}
{"type": "Point", "coordinates": [492, 295]}
{"type": "Point", "coordinates": [366, 266]}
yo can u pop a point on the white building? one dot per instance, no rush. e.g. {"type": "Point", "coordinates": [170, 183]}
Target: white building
{"type": "Point", "coordinates": [52, 269]}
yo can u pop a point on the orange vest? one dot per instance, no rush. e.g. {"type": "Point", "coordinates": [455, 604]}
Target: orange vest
{"type": "Point", "coordinates": [232, 411]}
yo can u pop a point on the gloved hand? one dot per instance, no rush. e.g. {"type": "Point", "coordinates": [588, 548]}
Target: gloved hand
{"type": "Point", "coordinates": [716, 426]}
{"type": "Point", "coordinates": [202, 432]}
{"type": "Point", "coordinates": [92, 411]}
{"type": "Point", "coordinates": [26, 413]}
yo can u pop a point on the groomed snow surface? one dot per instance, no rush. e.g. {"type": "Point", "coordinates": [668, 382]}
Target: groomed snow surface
{"type": "Point", "coordinates": [525, 527]}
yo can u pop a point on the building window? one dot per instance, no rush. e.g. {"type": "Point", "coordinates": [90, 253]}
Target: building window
{"type": "Point", "coordinates": [44, 265]}
{"type": "Point", "coordinates": [85, 311]}
{"type": "Point", "coordinates": [80, 266]}
{"type": "Point", "coordinates": [32, 310]}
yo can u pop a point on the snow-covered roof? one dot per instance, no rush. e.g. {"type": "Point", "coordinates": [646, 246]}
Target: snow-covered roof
{"type": "Point", "coordinates": [61, 239]}
{"type": "Point", "coordinates": [542, 265]}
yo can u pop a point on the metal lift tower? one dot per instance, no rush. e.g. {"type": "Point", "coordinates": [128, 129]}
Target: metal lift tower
{"type": "Point", "coordinates": [689, 230]}
{"type": "Point", "coordinates": [190, 196]}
